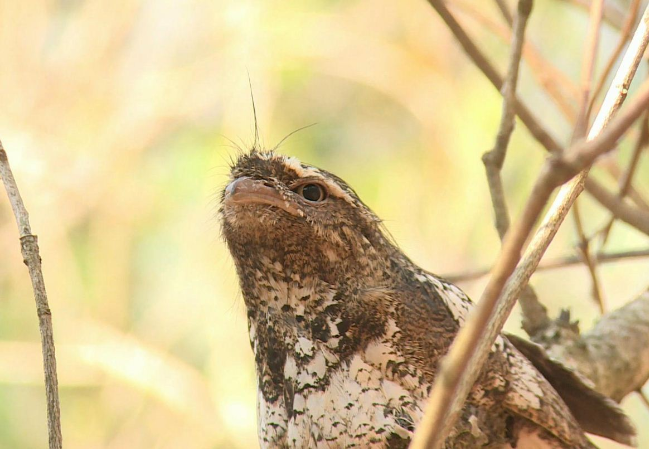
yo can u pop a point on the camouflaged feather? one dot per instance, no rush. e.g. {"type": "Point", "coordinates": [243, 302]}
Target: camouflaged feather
{"type": "Point", "coordinates": [347, 332]}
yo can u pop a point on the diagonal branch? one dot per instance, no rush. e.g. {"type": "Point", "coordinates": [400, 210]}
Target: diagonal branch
{"type": "Point", "coordinates": [624, 37]}
{"type": "Point", "coordinates": [462, 364]}
{"type": "Point", "coordinates": [483, 63]}
{"type": "Point", "coordinates": [627, 176]}
{"type": "Point", "coordinates": [504, 11]}
{"type": "Point", "coordinates": [621, 210]}
{"type": "Point", "coordinates": [587, 68]}
{"type": "Point", "coordinates": [554, 82]}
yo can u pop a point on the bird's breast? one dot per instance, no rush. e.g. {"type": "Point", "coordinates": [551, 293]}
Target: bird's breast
{"type": "Point", "coordinates": [361, 402]}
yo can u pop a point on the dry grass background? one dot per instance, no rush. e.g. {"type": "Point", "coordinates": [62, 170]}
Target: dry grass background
{"type": "Point", "coordinates": [116, 118]}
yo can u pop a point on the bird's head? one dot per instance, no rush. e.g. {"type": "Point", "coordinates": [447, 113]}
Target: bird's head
{"type": "Point", "coordinates": [277, 211]}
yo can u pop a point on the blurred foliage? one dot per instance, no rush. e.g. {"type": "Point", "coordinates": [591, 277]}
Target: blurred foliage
{"type": "Point", "coordinates": [117, 117]}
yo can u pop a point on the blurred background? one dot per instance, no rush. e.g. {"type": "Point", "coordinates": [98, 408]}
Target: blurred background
{"type": "Point", "coordinates": [118, 118]}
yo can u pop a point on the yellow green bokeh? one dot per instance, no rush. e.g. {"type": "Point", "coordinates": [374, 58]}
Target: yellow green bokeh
{"type": "Point", "coordinates": [120, 119]}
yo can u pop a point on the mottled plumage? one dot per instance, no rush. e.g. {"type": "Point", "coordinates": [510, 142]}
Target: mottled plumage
{"type": "Point", "coordinates": [347, 331]}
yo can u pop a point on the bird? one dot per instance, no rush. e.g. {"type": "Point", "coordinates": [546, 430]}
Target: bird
{"type": "Point", "coordinates": [348, 332]}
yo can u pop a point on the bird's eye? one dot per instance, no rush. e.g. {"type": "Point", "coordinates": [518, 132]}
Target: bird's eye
{"type": "Point", "coordinates": [312, 192]}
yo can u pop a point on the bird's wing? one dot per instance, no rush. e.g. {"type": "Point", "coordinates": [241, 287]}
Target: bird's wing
{"type": "Point", "coordinates": [595, 413]}
{"type": "Point", "coordinates": [529, 395]}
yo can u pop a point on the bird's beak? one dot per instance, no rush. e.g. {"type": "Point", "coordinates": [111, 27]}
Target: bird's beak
{"type": "Point", "coordinates": [246, 190]}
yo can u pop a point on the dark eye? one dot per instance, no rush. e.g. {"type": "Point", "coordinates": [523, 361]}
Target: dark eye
{"type": "Point", "coordinates": [312, 192]}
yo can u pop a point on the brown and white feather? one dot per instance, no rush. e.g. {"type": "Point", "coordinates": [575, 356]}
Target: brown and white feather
{"type": "Point", "coordinates": [347, 331]}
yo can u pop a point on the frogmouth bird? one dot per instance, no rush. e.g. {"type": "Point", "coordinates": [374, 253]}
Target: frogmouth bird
{"type": "Point", "coordinates": [347, 332]}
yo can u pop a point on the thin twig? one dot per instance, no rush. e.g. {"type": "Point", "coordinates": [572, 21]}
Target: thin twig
{"type": "Point", "coordinates": [634, 216]}
{"type": "Point", "coordinates": [624, 37]}
{"type": "Point", "coordinates": [587, 258]}
{"type": "Point", "coordinates": [629, 214]}
{"type": "Point", "coordinates": [554, 264]}
{"type": "Point", "coordinates": [493, 160]}
{"type": "Point", "coordinates": [627, 176]}
{"type": "Point", "coordinates": [504, 11]}
{"type": "Point", "coordinates": [555, 83]}
{"type": "Point", "coordinates": [483, 63]}
{"type": "Point", "coordinates": [535, 317]}
{"type": "Point", "coordinates": [31, 257]}
{"type": "Point", "coordinates": [612, 13]}
{"type": "Point", "coordinates": [587, 68]}
{"type": "Point", "coordinates": [461, 366]}
{"type": "Point", "coordinates": [634, 195]}
{"type": "Point", "coordinates": [643, 397]}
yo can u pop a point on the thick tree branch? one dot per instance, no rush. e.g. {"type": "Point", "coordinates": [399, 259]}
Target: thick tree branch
{"type": "Point", "coordinates": [614, 354]}
{"type": "Point", "coordinates": [31, 257]}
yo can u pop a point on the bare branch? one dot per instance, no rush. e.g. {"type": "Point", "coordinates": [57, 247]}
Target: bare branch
{"type": "Point", "coordinates": [634, 195]}
{"type": "Point", "coordinates": [588, 65]}
{"type": "Point", "coordinates": [493, 160]}
{"type": "Point", "coordinates": [31, 257]}
{"type": "Point", "coordinates": [624, 37]}
{"type": "Point", "coordinates": [483, 63]}
{"type": "Point", "coordinates": [555, 83]}
{"type": "Point", "coordinates": [612, 13]}
{"type": "Point", "coordinates": [557, 263]}
{"type": "Point", "coordinates": [627, 176]}
{"type": "Point", "coordinates": [621, 210]}
{"type": "Point", "coordinates": [636, 217]}
{"type": "Point", "coordinates": [587, 258]}
{"type": "Point", "coordinates": [504, 11]}
{"type": "Point", "coordinates": [432, 432]}
{"type": "Point", "coordinates": [535, 317]}
{"type": "Point", "coordinates": [461, 366]}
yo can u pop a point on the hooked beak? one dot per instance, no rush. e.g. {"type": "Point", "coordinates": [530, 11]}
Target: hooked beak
{"type": "Point", "coordinates": [246, 190]}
